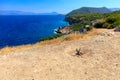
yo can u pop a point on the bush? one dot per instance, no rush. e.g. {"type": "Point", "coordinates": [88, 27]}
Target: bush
{"type": "Point", "coordinates": [114, 25]}
{"type": "Point", "coordinates": [76, 26]}
{"type": "Point", "coordinates": [51, 37]}
{"type": "Point", "coordinates": [110, 20]}
{"type": "Point", "coordinates": [88, 28]}
{"type": "Point", "coordinates": [106, 25]}
{"type": "Point", "coordinates": [99, 25]}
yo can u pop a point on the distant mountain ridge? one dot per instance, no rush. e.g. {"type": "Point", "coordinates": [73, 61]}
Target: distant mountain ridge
{"type": "Point", "coordinates": [88, 10]}
{"type": "Point", "coordinates": [114, 9]}
{"type": "Point", "coordinates": [25, 13]}
{"type": "Point", "coordinates": [2, 12]}
{"type": "Point", "coordinates": [52, 13]}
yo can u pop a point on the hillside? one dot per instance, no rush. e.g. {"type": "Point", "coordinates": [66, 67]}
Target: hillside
{"type": "Point", "coordinates": [88, 10]}
{"type": "Point", "coordinates": [100, 60]}
{"type": "Point", "coordinates": [107, 20]}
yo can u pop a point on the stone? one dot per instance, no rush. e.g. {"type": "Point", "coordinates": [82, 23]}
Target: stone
{"type": "Point", "coordinates": [117, 29]}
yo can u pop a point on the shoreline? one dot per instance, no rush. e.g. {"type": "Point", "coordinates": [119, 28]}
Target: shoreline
{"type": "Point", "coordinates": [36, 42]}
{"type": "Point", "coordinates": [28, 30]}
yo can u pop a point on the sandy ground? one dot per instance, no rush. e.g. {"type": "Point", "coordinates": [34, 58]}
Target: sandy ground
{"type": "Point", "coordinates": [100, 60]}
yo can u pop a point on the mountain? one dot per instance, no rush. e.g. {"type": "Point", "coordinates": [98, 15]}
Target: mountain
{"type": "Point", "coordinates": [114, 9]}
{"type": "Point", "coordinates": [87, 10]}
{"type": "Point", "coordinates": [52, 13]}
{"type": "Point", "coordinates": [15, 13]}
{"type": "Point", "coordinates": [2, 12]}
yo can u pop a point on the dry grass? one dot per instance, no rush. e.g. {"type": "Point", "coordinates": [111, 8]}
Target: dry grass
{"type": "Point", "coordinates": [77, 36]}
{"type": "Point", "coordinates": [47, 42]}
{"type": "Point", "coordinates": [7, 49]}
{"type": "Point", "coordinates": [73, 36]}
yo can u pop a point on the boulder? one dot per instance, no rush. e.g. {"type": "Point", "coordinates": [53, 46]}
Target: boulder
{"type": "Point", "coordinates": [63, 30]}
{"type": "Point", "coordinates": [117, 29]}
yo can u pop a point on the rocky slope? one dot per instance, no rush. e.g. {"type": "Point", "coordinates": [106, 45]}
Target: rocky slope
{"type": "Point", "coordinates": [100, 60]}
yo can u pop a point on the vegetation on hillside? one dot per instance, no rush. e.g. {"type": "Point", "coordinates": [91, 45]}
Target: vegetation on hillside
{"type": "Point", "coordinates": [106, 20]}
{"type": "Point", "coordinates": [90, 17]}
{"type": "Point", "coordinates": [83, 18]}
{"type": "Point", "coordinates": [88, 10]}
{"type": "Point", "coordinates": [109, 20]}
{"type": "Point", "coordinates": [51, 37]}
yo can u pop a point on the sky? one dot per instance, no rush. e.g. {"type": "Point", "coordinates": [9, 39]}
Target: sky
{"type": "Point", "coordinates": [60, 6]}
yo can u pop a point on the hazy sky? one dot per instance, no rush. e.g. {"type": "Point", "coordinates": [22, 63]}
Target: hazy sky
{"type": "Point", "coordinates": [60, 6]}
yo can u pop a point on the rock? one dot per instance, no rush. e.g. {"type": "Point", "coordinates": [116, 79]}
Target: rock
{"type": "Point", "coordinates": [63, 30]}
{"type": "Point", "coordinates": [82, 30]}
{"type": "Point", "coordinates": [92, 23]}
{"type": "Point", "coordinates": [117, 29]}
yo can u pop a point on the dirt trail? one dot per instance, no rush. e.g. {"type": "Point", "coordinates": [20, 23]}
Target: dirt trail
{"type": "Point", "coordinates": [100, 61]}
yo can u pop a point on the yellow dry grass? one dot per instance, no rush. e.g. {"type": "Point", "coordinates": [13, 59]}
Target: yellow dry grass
{"type": "Point", "coordinates": [73, 36]}
{"type": "Point", "coordinates": [78, 36]}
{"type": "Point", "coordinates": [47, 42]}
{"type": "Point", "coordinates": [7, 49]}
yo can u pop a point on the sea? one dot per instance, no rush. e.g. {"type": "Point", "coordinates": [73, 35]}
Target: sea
{"type": "Point", "coordinates": [28, 29]}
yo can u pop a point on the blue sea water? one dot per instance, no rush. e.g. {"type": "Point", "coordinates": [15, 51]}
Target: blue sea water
{"type": "Point", "coordinates": [27, 29]}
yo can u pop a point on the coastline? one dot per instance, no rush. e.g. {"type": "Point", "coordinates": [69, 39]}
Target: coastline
{"type": "Point", "coordinates": [28, 29]}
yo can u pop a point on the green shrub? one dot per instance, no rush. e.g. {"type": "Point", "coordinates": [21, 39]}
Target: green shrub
{"type": "Point", "coordinates": [110, 20]}
{"type": "Point", "coordinates": [99, 25]}
{"type": "Point", "coordinates": [51, 37]}
{"type": "Point", "coordinates": [76, 26]}
{"type": "Point", "coordinates": [88, 28]}
{"type": "Point", "coordinates": [106, 25]}
{"type": "Point", "coordinates": [114, 25]}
